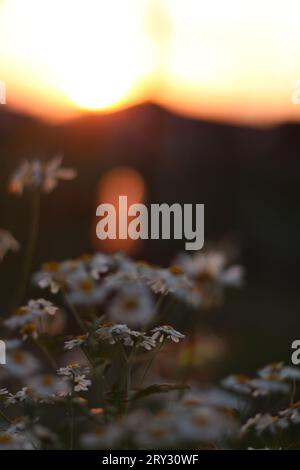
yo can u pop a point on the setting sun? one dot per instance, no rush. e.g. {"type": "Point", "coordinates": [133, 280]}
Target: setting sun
{"type": "Point", "coordinates": [92, 52]}
{"type": "Point", "coordinates": [107, 57]}
{"type": "Point", "coordinates": [216, 59]}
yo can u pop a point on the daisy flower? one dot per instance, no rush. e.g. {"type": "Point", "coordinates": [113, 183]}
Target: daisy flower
{"type": "Point", "coordinates": [147, 342]}
{"type": "Point", "coordinates": [170, 281]}
{"type": "Point", "coordinates": [48, 277]}
{"type": "Point", "coordinates": [84, 290]}
{"type": "Point", "coordinates": [38, 316]}
{"type": "Point", "coordinates": [48, 385]}
{"type": "Point", "coordinates": [99, 265]}
{"type": "Point", "coordinates": [132, 305]}
{"type": "Point", "coordinates": [18, 397]}
{"type": "Point", "coordinates": [21, 364]}
{"type": "Point", "coordinates": [262, 387]}
{"type": "Point", "coordinates": [118, 332]}
{"type": "Point", "coordinates": [210, 273]}
{"type": "Point", "coordinates": [106, 437]}
{"type": "Point", "coordinates": [76, 375]}
{"type": "Point", "coordinates": [213, 397]}
{"type": "Point", "coordinates": [256, 386]}
{"type": "Point", "coordinates": [260, 422]}
{"type": "Point", "coordinates": [73, 369]}
{"type": "Point", "coordinates": [238, 383]}
{"type": "Point", "coordinates": [42, 175]}
{"type": "Point", "coordinates": [202, 424]}
{"type": "Point", "coordinates": [30, 330]}
{"type": "Point", "coordinates": [15, 441]}
{"type": "Point", "coordinates": [81, 384]}
{"type": "Point", "coordinates": [161, 333]}
{"type": "Point", "coordinates": [278, 371]}
{"type": "Point", "coordinates": [33, 310]}
{"type": "Point", "coordinates": [7, 243]}
{"type": "Point", "coordinates": [273, 424]}
{"type": "Point", "coordinates": [210, 266]}
{"type": "Point", "coordinates": [75, 342]}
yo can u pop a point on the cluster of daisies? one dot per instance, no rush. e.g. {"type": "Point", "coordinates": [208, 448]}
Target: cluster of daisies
{"type": "Point", "coordinates": [82, 359]}
{"type": "Point", "coordinates": [158, 417]}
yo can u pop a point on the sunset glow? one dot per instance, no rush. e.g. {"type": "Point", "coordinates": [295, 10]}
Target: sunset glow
{"type": "Point", "coordinates": [220, 59]}
{"type": "Point", "coordinates": [91, 52]}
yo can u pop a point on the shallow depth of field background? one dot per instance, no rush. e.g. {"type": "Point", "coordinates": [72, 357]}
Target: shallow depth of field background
{"type": "Point", "coordinates": [207, 119]}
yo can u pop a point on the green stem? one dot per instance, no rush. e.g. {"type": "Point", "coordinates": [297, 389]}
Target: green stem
{"type": "Point", "coordinates": [154, 355]}
{"type": "Point", "coordinates": [46, 354]}
{"type": "Point", "coordinates": [75, 313]}
{"type": "Point", "coordinates": [6, 418]}
{"type": "Point", "coordinates": [98, 376]}
{"type": "Point", "coordinates": [294, 391]}
{"type": "Point", "coordinates": [158, 304]}
{"type": "Point", "coordinates": [127, 374]}
{"type": "Point", "coordinates": [72, 423]}
{"type": "Point", "coordinates": [31, 244]}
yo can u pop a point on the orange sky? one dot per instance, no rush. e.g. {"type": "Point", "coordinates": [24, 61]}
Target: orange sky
{"type": "Point", "coordinates": [220, 59]}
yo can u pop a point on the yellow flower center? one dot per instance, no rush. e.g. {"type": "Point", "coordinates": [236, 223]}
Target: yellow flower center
{"type": "Point", "coordinates": [18, 356]}
{"type": "Point", "coordinates": [51, 267]}
{"type": "Point", "coordinates": [5, 438]}
{"type": "Point", "coordinates": [47, 380]}
{"type": "Point", "coordinates": [87, 285]}
{"type": "Point", "coordinates": [130, 303]}
{"type": "Point", "coordinates": [21, 311]}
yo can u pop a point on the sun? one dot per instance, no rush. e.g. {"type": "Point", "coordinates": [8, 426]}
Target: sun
{"type": "Point", "coordinates": [106, 59]}
{"type": "Point", "coordinates": [94, 52]}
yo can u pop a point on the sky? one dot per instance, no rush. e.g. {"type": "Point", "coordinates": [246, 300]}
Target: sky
{"type": "Point", "coordinates": [219, 59]}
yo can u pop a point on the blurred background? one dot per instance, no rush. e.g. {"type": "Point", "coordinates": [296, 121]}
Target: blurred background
{"type": "Point", "coordinates": [165, 101]}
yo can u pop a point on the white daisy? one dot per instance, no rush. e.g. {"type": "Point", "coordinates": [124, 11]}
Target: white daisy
{"type": "Point", "coordinates": [84, 290]}
{"type": "Point", "coordinates": [133, 305]}
{"type": "Point", "coordinates": [29, 313]}
{"type": "Point", "coordinates": [21, 363]}
{"type": "Point", "coordinates": [16, 441]}
{"type": "Point", "coordinates": [75, 342]}
{"type": "Point", "coordinates": [278, 371]}
{"type": "Point", "coordinates": [30, 330]}
{"type": "Point", "coordinates": [48, 385]}
{"type": "Point", "coordinates": [170, 281]}
{"type": "Point", "coordinates": [37, 174]}
{"type": "Point", "coordinates": [100, 264]}
{"type": "Point", "coordinates": [262, 387]}
{"type": "Point", "coordinates": [7, 243]}
{"type": "Point", "coordinates": [147, 342]}
{"type": "Point", "coordinates": [106, 437]}
{"type": "Point", "coordinates": [237, 383]}
{"type": "Point", "coordinates": [75, 374]}
{"type": "Point", "coordinates": [260, 423]}
{"type": "Point", "coordinates": [163, 332]}
{"type": "Point", "coordinates": [255, 387]}
{"type": "Point", "coordinates": [18, 397]}
{"type": "Point", "coordinates": [213, 397]}
{"type": "Point", "coordinates": [210, 273]}
{"type": "Point", "coordinates": [118, 332]}
{"type": "Point", "coordinates": [81, 384]}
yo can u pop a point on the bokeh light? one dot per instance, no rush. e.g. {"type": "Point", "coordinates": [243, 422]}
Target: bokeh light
{"type": "Point", "coordinates": [120, 181]}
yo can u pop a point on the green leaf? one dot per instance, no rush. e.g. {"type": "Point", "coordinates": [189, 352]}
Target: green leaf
{"type": "Point", "coordinates": [157, 388]}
